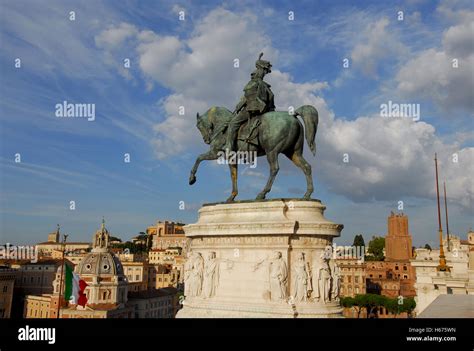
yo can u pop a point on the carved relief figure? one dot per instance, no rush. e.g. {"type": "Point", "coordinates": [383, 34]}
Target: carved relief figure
{"type": "Point", "coordinates": [301, 281]}
{"type": "Point", "coordinates": [322, 278]}
{"type": "Point", "coordinates": [278, 277]}
{"type": "Point", "coordinates": [211, 275]}
{"type": "Point", "coordinates": [196, 270]}
{"type": "Point", "coordinates": [336, 279]}
{"type": "Point", "coordinates": [187, 273]}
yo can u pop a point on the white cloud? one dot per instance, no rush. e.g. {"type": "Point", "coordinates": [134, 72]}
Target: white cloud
{"type": "Point", "coordinates": [391, 159]}
{"type": "Point", "coordinates": [114, 36]}
{"type": "Point", "coordinates": [379, 43]}
{"type": "Point", "coordinates": [458, 40]}
{"type": "Point", "coordinates": [432, 74]}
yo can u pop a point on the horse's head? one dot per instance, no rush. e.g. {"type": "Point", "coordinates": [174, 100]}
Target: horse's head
{"type": "Point", "coordinates": [205, 127]}
{"type": "Point", "coordinates": [213, 121]}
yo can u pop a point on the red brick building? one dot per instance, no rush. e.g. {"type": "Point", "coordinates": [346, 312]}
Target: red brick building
{"type": "Point", "coordinates": [395, 276]}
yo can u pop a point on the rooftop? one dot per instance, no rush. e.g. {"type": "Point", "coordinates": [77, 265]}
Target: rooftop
{"type": "Point", "coordinates": [146, 294]}
{"type": "Point", "coordinates": [67, 243]}
{"type": "Point", "coordinates": [450, 306]}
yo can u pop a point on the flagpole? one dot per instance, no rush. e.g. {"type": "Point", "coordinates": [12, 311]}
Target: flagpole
{"type": "Point", "coordinates": [62, 273]}
{"type": "Point", "coordinates": [442, 267]}
{"type": "Point", "coordinates": [446, 209]}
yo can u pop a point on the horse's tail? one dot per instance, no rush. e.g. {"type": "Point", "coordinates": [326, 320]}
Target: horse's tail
{"type": "Point", "coordinates": [310, 118]}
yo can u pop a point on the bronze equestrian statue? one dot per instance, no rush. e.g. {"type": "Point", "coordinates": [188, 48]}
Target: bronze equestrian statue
{"type": "Point", "coordinates": [261, 130]}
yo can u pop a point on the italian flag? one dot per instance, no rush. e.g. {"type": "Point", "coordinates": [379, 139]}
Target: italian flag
{"type": "Point", "coordinates": [74, 288]}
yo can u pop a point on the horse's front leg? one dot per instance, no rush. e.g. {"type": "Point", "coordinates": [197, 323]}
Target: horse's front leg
{"type": "Point", "coordinates": [233, 175]}
{"type": "Point", "coordinates": [210, 155]}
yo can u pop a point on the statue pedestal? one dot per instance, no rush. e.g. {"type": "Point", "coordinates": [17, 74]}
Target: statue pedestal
{"type": "Point", "coordinates": [261, 259]}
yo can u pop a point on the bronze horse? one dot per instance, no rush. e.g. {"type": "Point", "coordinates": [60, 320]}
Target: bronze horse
{"type": "Point", "coordinates": [278, 133]}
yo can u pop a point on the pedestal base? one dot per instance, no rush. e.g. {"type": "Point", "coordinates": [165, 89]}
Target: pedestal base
{"type": "Point", "coordinates": [261, 259]}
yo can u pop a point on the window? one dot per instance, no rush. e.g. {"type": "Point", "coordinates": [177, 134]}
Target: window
{"type": "Point", "coordinates": [356, 279]}
{"type": "Point", "coordinates": [404, 268]}
{"type": "Point", "coordinates": [5, 288]}
{"type": "Point", "coordinates": [396, 268]}
{"type": "Point", "coordinates": [405, 276]}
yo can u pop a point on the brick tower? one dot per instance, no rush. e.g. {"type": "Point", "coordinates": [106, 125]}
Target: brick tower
{"type": "Point", "coordinates": [398, 243]}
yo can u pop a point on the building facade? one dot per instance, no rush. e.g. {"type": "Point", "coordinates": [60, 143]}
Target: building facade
{"type": "Point", "coordinates": [459, 280]}
{"type": "Point", "coordinates": [353, 276]}
{"type": "Point", "coordinates": [167, 234]}
{"type": "Point", "coordinates": [7, 283]}
{"type": "Point", "coordinates": [114, 290]}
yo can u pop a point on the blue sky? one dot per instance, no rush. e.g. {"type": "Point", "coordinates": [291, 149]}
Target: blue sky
{"type": "Point", "coordinates": [190, 63]}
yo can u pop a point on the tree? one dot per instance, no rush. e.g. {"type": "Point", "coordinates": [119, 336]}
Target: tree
{"type": "Point", "coordinates": [358, 240]}
{"type": "Point", "coordinates": [353, 302]}
{"type": "Point", "coordinates": [376, 247]}
{"type": "Point", "coordinates": [399, 305]}
{"type": "Point", "coordinates": [348, 302]}
{"type": "Point", "coordinates": [149, 242]}
{"type": "Point", "coordinates": [392, 306]}
{"type": "Point", "coordinates": [408, 306]}
{"type": "Point", "coordinates": [372, 302]}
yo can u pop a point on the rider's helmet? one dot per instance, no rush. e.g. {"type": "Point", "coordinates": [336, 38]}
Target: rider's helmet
{"type": "Point", "coordinates": [265, 65]}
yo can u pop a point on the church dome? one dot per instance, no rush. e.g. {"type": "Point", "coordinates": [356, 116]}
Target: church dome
{"type": "Point", "coordinates": [100, 263]}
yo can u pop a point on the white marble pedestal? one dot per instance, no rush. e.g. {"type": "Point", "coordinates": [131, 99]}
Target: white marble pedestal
{"type": "Point", "coordinates": [261, 259]}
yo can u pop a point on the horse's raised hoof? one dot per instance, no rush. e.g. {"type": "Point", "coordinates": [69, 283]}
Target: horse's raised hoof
{"type": "Point", "coordinates": [260, 196]}
{"type": "Point", "coordinates": [192, 179]}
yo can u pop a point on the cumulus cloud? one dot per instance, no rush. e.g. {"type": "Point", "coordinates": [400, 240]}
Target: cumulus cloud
{"type": "Point", "coordinates": [378, 43]}
{"type": "Point", "coordinates": [391, 159]}
{"type": "Point", "coordinates": [444, 75]}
